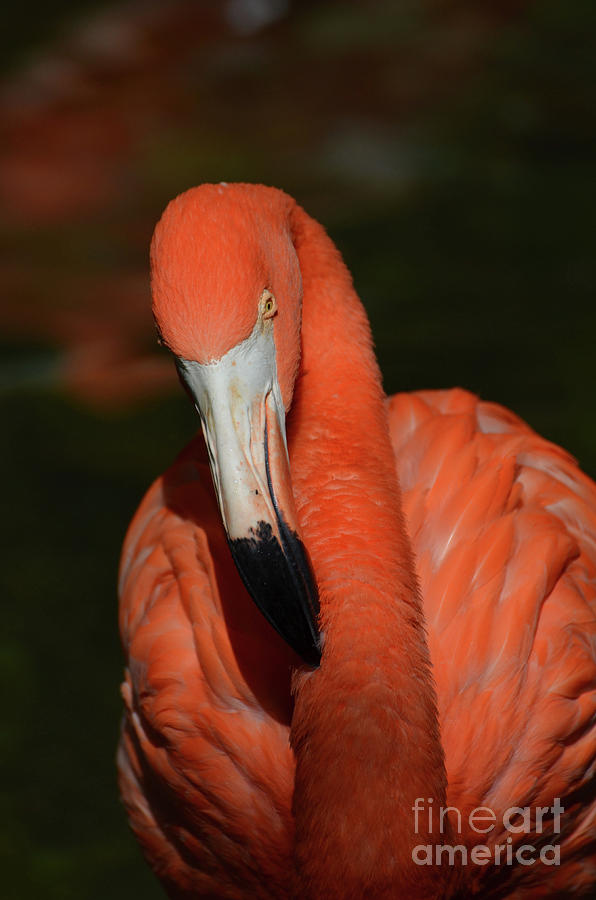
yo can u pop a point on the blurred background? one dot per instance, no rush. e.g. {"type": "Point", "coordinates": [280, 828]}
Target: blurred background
{"type": "Point", "coordinates": [447, 145]}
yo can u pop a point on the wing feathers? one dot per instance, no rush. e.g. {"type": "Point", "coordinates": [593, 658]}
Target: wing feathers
{"type": "Point", "coordinates": [503, 527]}
{"type": "Point", "coordinates": [206, 772]}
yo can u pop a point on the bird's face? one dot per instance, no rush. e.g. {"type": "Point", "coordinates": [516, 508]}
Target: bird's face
{"type": "Point", "coordinates": [227, 301]}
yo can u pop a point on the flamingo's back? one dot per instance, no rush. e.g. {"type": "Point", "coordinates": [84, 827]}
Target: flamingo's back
{"type": "Point", "coordinates": [503, 527]}
{"type": "Point", "coordinates": [205, 768]}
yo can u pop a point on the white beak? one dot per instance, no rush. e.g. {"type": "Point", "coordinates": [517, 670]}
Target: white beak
{"type": "Point", "coordinates": [242, 413]}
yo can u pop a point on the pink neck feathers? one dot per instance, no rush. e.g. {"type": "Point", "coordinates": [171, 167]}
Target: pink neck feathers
{"type": "Point", "coordinates": [365, 729]}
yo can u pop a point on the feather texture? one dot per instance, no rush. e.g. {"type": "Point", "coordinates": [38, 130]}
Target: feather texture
{"type": "Point", "coordinates": [503, 527]}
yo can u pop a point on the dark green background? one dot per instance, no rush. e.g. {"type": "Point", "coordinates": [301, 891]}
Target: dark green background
{"type": "Point", "coordinates": [479, 273]}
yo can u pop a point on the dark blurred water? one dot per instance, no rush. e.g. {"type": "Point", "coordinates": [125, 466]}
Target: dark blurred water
{"type": "Point", "coordinates": [479, 273]}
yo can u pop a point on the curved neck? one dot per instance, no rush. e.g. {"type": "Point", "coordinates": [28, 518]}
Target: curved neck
{"type": "Point", "coordinates": [365, 728]}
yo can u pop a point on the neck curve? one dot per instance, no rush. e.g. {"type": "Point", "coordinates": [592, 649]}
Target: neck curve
{"type": "Point", "coordinates": [365, 728]}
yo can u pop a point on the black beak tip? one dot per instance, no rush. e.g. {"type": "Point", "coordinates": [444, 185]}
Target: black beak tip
{"type": "Point", "coordinates": [278, 576]}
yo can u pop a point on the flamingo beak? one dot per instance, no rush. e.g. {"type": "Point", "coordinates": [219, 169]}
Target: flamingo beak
{"type": "Point", "coordinates": [243, 418]}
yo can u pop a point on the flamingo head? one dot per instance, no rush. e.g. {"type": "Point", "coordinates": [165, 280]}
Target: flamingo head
{"type": "Point", "coordinates": [227, 300]}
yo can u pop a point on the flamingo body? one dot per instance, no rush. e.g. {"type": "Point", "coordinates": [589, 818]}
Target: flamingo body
{"type": "Point", "coordinates": [217, 755]}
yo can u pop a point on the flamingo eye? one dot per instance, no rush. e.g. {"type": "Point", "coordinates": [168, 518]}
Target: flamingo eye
{"type": "Point", "coordinates": [268, 305]}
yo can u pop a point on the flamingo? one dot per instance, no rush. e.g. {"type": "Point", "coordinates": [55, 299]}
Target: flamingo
{"type": "Point", "coordinates": [376, 608]}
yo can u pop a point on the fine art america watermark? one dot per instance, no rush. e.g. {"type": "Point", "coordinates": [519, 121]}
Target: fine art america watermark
{"type": "Point", "coordinates": [516, 820]}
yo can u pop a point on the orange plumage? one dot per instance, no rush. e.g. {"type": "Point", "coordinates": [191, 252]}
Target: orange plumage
{"type": "Point", "coordinates": [454, 556]}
